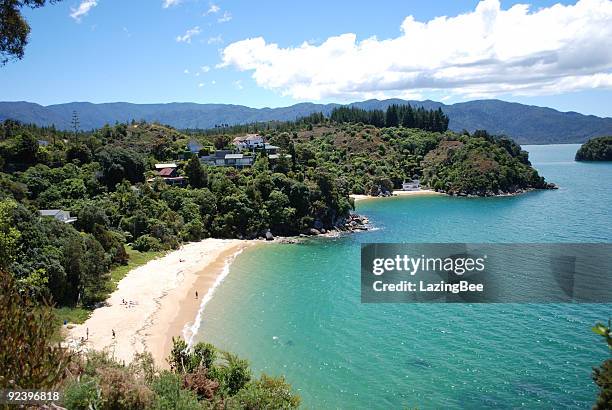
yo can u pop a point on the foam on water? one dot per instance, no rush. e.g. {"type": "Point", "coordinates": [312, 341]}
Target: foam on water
{"type": "Point", "coordinates": [190, 330]}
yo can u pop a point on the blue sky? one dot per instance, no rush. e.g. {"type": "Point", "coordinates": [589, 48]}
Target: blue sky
{"type": "Point", "coordinates": [199, 51]}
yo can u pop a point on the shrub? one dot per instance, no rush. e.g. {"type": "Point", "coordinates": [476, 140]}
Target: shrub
{"type": "Point", "coordinates": [147, 243]}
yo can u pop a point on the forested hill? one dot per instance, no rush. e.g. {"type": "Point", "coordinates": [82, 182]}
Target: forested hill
{"type": "Point", "coordinates": [526, 124]}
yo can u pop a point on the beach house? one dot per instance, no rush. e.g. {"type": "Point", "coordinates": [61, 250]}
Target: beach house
{"type": "Point", "coordinates": [413, 185]}
{"type": "Point", "coordinates": [62, 216]}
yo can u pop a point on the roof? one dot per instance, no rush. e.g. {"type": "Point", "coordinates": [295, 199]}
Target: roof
{"type": "Point", "coordinates": [240, 139]}
{"type": "Point", "coordinates": [270, 146]}
{"type": "Point", "coordinates": [50, 212]}
{"type": "Point", "coordinates": [277, 156]}
{"type": "Point", "coordinates": [168, 165]}
{"type": "Point", "coordinates": [166, 172]}
{"type": "Point", "coordinates": [234, 156]}
{"type": "Point", "coordinates": [251, 137]}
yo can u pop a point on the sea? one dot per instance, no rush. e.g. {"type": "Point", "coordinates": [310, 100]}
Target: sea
{"type": "Point", "coordinates": [295, 309]}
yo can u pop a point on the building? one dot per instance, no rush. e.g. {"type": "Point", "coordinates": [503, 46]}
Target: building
{"type": "Point", "coordinates": [249, 141]}
{"type": "Point", "coordinates": [43, 143]}
{"type": "Point", "coordinates": [167, 165]}
{"type": "Point", "coordinates": [413, 185]}
{"type": "Point", "coordinates": [271, 149]}
{"type": "Point", "coordinates": [224, 158]}
{"type": "Point", "coordinates": [274, 157]}
{"type": "Point", "coordinates": [62, 216]}
{"type": "Point", "coordinates": [169, 173]}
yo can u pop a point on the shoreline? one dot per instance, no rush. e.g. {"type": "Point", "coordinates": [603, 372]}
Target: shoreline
{"type": "Point", "coordinates": [421, 192]}
{"type": "Point", "coordinates": [161, 301]}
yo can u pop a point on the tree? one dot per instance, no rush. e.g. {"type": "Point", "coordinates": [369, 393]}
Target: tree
{"type": "Point", "coordinates": [196, 173]}
{"type": "Point", "coordinates": [602, 376]}
{"type": "Point", "coordinates": [8, 235]}
{"type": "Point", "coordinates": [14, 29]}
{"type": "Point", "coordinates": [222, 141]}
{"type": "Point", "coordinates": [27, 357]}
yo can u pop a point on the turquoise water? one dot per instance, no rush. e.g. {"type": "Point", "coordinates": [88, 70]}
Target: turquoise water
{"type": "Point", "coordinates": [295, 309]}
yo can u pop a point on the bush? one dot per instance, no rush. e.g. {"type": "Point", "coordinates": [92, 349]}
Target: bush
{"type": "Point", "coordinates": [82, 394]}
{"type": "Point", "coordinates": [147, 243]}
{"type": "Point", "coordinates": [265, 393]}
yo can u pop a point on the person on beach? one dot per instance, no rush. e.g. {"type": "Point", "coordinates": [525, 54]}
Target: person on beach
{"type": "Point", "coordinates": [113, 333]}
{"type": "Point", "coordinates": [87, 333]}
{"type": "Point", "coordinates": [196, 294]}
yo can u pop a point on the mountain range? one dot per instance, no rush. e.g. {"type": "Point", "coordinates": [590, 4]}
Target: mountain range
{"type": "Point", "coordinates": [527, 124]}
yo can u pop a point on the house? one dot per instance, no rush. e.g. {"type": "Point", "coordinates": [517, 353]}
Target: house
{"type": "Point", "coordinates": [271, 149]}
{"type": "Point", "coordinates": [215, 159]}
{"type": "Point", "coordinates": [225, 158]}
{"type": "Point", "coordinates": [62, 216]}
{"type": "Point", "coordinates": [169, 173]}
{"type": "Point", "coordinates": [238, 160]}
{"type": "Point", "coordinates": [249, 141]}
{"type": "Point", "coordinates": [167, 165]}
{"type": "Point", "coordinates": [413, 185]}
{"type": "Point", "coordinates": [274, 157]}
{"type": "Point", "coordinates": [43, 143]}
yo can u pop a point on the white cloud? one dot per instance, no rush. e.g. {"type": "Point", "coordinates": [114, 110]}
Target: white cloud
{"type": "Point", "coordinates": [83, 9]}
{"type": "Point", "coordinates": [189, 34]}
{"type": "Point", "coordinates": [213, 9]}
{"type": "Point", "coordinates": [205, 68]}
{"type": "Point", "coordinates": [200, 85]}
{"type": "Point", "coordinates": [186, 71]}
{"type": "Point", "coordinates": [227, 16]}
{"type": "Point", "coordinates": [484, 52]}
{"type": "Point", "coordinates": [170, 3]}
{"type": "Point", "coordinates": [215, 40]}
{"type": "Point", "coordinates": [238, 85]}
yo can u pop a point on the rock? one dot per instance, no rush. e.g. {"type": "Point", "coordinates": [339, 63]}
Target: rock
{"type": "Point", "coordinates": [314, 231]}
{"type": "Point", "coordinates": [323, 231]}
{"type": "Point", "coordinates": [269, 236]}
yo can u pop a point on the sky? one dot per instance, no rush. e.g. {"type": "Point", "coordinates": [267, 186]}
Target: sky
{"type": "Point", "coordinates": [278, 53]}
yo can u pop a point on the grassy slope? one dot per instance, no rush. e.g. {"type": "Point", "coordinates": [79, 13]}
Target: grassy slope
{"type": "Point", "coordinates": [81, 314]}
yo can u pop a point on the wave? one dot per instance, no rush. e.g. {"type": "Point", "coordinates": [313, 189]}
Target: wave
{"type": "Point", "coordinates": [190, 330]}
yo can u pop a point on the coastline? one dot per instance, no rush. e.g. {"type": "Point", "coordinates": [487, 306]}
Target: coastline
{"type": "Point", "coordinates": [161, 301]}
{"type": "Point", "coordinates": [421, 192]}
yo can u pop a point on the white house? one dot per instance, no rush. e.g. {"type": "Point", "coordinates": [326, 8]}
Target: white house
{"type": "Point", "coordinates": [413, 185]}
{"type": "Point", "coordinates": [62, 216]}
{"type": "Point", "coordinates": [249, 141]}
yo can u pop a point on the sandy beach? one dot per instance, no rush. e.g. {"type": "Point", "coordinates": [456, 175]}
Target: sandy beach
{"type": "Point", "coordinates": [156, 301]}
{"type": "Point", "coordinates": [421, 192]}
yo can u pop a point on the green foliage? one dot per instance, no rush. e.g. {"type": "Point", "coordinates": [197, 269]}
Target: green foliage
{"type": "Point", "coordinates": [265, 393]}
{"type": "Point", "coordinates": [602, 376]}
{"type": "Point", "coordinates": [27, 357]}
{"type": "Point", "coordinates": [196, 173]}
{"type": "Point", "coordinates": [82, 394]}
{"type": "Point", "coordinates": [9, 236]}
{"type": "Point", "coordinates": [395, 116]}
{"type": "Point", "coordinates": [595, 149]}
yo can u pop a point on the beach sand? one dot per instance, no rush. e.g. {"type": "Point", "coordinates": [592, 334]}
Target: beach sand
{"type": "Point", "coordinates": [421, 192]}
{"type": "Point", "coordinates": [161, 301]}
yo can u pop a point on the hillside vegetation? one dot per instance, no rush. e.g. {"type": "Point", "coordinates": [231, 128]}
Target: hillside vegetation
{"type": "Point", "coordinates": [596, 149]}
{"type": "Point", "coordinates": [106, 180]}
{"type": "Point", "coordinates": [524, 123]}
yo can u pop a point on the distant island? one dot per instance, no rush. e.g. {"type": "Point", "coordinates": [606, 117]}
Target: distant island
{"type": "Point", "coordinates": [526, 124]}
{"type": "Point", "coordinates": [596, 149]}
